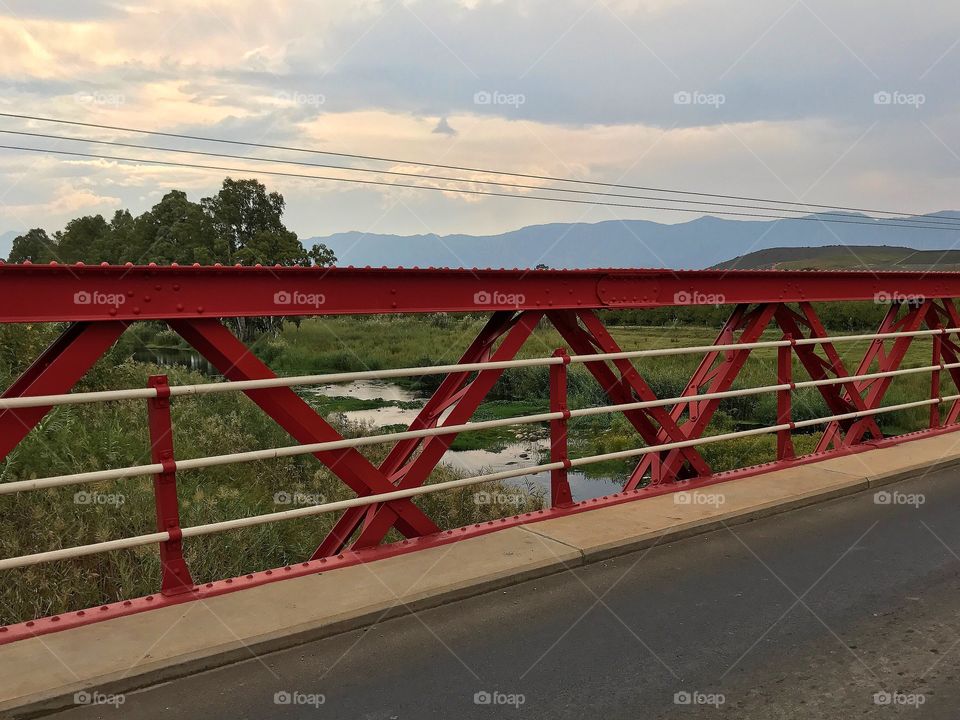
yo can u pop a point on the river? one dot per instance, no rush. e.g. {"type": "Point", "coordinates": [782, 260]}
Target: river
{"type": "Point", "coordinates": [469, 462]}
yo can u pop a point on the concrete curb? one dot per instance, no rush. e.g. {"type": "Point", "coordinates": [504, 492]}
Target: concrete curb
{"type": "Point", "coordinates": [148, 648]}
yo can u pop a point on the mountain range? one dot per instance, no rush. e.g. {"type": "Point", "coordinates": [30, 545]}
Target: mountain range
{"type": "Point", "coordinates": [697, 244]}
{"type": "Point", "coordinates": [705, 242]}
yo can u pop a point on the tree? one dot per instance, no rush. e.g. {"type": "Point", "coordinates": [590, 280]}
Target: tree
{"type": "Point", "coordinates": [322, 255]}
{"type": "Point", "coordinates": [240, 211]}
{"type": "Point", "coordinates": [83, 239]}
{"type": "Point", "coordinates": [35, 246]}
{"type": "Point", "coordinates": [176, 230]}
{"type": "Point", "coordinates": [241, 223]}
{"type": "Point", "coordinates": [248, 227]}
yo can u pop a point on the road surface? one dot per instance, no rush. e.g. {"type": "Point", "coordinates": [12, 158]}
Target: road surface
{"type": "Point", "coordinates": [848, 609]}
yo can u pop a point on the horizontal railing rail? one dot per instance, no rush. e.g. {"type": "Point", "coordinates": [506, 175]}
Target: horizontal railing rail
{"type": "Point", "coordinates": [313, 448]}
{"type": "Point", "coordinates": [226, 525]}
{"type": "Point", "coordinates": [558, 417]}
{"type": "Point", "coordinates": [35, 401]}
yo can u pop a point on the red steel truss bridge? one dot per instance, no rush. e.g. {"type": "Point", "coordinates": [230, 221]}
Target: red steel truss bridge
{"type": "Point", "coordinates": [97, 303]}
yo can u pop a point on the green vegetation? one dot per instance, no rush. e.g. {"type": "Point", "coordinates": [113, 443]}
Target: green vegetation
{"type": "Point", "coordinates": [845, 257]}
{"type": "Point", "coordinates": [79, 438]}
{"type": "Point", "coordinates": [243, 223]}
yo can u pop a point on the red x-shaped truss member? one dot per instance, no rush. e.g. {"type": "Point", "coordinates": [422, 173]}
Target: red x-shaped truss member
{"type": "Point", "coordinates": [410, 462]}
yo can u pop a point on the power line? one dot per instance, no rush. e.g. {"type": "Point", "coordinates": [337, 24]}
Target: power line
{"type": "Point", "coordinates": [172, 163]}
{"type": "Point", "coordinates": [462, 168]}
{"type": "Point", "coordinates": [114, 143]}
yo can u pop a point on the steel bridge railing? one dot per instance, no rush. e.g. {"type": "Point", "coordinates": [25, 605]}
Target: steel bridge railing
{"type": "Point", "coordinates": [558, 418]}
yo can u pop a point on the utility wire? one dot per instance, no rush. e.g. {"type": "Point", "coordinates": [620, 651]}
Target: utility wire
{"type": "Point", "coordinates": [462, 168]}
{"type": "Point", "coordinates": [172, 163]}
{"type": "Point", "coordinates": [115, 143]}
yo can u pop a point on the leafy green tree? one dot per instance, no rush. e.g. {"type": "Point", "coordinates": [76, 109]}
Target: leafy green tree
{"type": "Point", "coordinates": [83, 239]}
{"type": "Point", "coordinates": [322, 255]}
{"type": "Point", "coordinates": [242, 223]}
{"type": "Point", "coordinates": [35, 246]}
{"type": "Point", "coordinates": [176, 230]}
{"type": "Point", "coordinates": [242, 210]}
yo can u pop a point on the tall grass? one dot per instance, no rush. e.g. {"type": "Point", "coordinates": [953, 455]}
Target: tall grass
{"type": "Point", "coordinates": [79, 438]}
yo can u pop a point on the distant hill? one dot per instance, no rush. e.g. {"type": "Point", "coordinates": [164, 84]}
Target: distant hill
{"type": "Point", "coordinates": [6, 242]}
{"type": "Point", "coordinates": [834, 257]}
{"type": "Point", "coordinates": [697, 244]}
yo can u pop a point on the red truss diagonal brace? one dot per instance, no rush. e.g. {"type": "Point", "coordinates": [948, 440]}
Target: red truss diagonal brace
{"type": "Point", "coordinates": [379, 518]}
{"type": "Point", "coordinates": [877, 388]}
{"type": "Point", "coordinates": [448, 394]}
{"type": "Point", "coordinates": [55, 372]}
{"type": "Point", "coordinates": [940, 317]}
{"type": "Point", "coordinates": [625, 386]}
{"type": "Point", "coordinates": [818, 368]}
{"type": "Point", "coordinates": [236, 361]}
{"type": "Point", "coordinates": [716, 373]}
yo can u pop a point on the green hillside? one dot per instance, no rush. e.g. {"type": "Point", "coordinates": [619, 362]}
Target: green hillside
{"type": "Point", "coordinates": [836, 257]}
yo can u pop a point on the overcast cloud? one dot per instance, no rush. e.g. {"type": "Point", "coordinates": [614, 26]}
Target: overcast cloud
{"type": "Point", "coordinates": [844, 102]}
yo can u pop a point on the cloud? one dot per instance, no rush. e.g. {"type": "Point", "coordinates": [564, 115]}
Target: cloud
{"type": "Point", "coordinates": [759, 98]}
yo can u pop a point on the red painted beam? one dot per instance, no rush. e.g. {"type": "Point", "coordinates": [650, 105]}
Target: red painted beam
{"type": "Point", "coordinates": [57, 293]}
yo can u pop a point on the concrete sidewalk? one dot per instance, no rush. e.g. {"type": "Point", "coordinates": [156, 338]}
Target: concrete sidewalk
{"type": "Point", "coordinates": [116, 656]}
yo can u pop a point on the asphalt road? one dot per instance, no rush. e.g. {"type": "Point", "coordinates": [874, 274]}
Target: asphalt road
{"type": "Point", "coordinates": [848, 609]}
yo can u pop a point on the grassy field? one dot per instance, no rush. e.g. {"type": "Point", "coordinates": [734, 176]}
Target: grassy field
{"type": "Point", "coordinates": [846, 257]}
{"type": "Point", "coordinates": [74, 439]}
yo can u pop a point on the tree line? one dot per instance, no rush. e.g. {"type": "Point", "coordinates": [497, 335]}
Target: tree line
{"type": "Point", "coordinates": [242, 223]}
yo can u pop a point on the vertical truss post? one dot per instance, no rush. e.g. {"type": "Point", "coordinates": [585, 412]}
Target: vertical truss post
{"type": "Point", "coordinates": [949, 350]}
{"type": "Point", "coordinates": [626, 386]}
{"type": "Point", "coordinates": [559, 486]}
{"type": "Point", "coordinates": [784, 399]}
{"type": "Point", "coordinates": [935, 381]}
{"type": "Point", "coordinates": [176, 577]}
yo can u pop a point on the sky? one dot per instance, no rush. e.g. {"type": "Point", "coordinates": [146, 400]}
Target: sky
{"type": "Point", "coordinates": [849, 102]}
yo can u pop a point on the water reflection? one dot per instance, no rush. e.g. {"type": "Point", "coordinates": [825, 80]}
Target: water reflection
{"type": "Point", "coordinates": [470, 462]}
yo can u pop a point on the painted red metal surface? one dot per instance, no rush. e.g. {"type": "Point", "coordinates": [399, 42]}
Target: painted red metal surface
{"type": "Point", "coordinates": [175, 576]}
{"type": "Point", "coordinates": [109, 611]}
{"type": "Point", "coordinates": [59, 293]}
{"type": "Point", "coordinates": [191, 300]}
{"type": "Point", "coordinates": [560, 496]}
